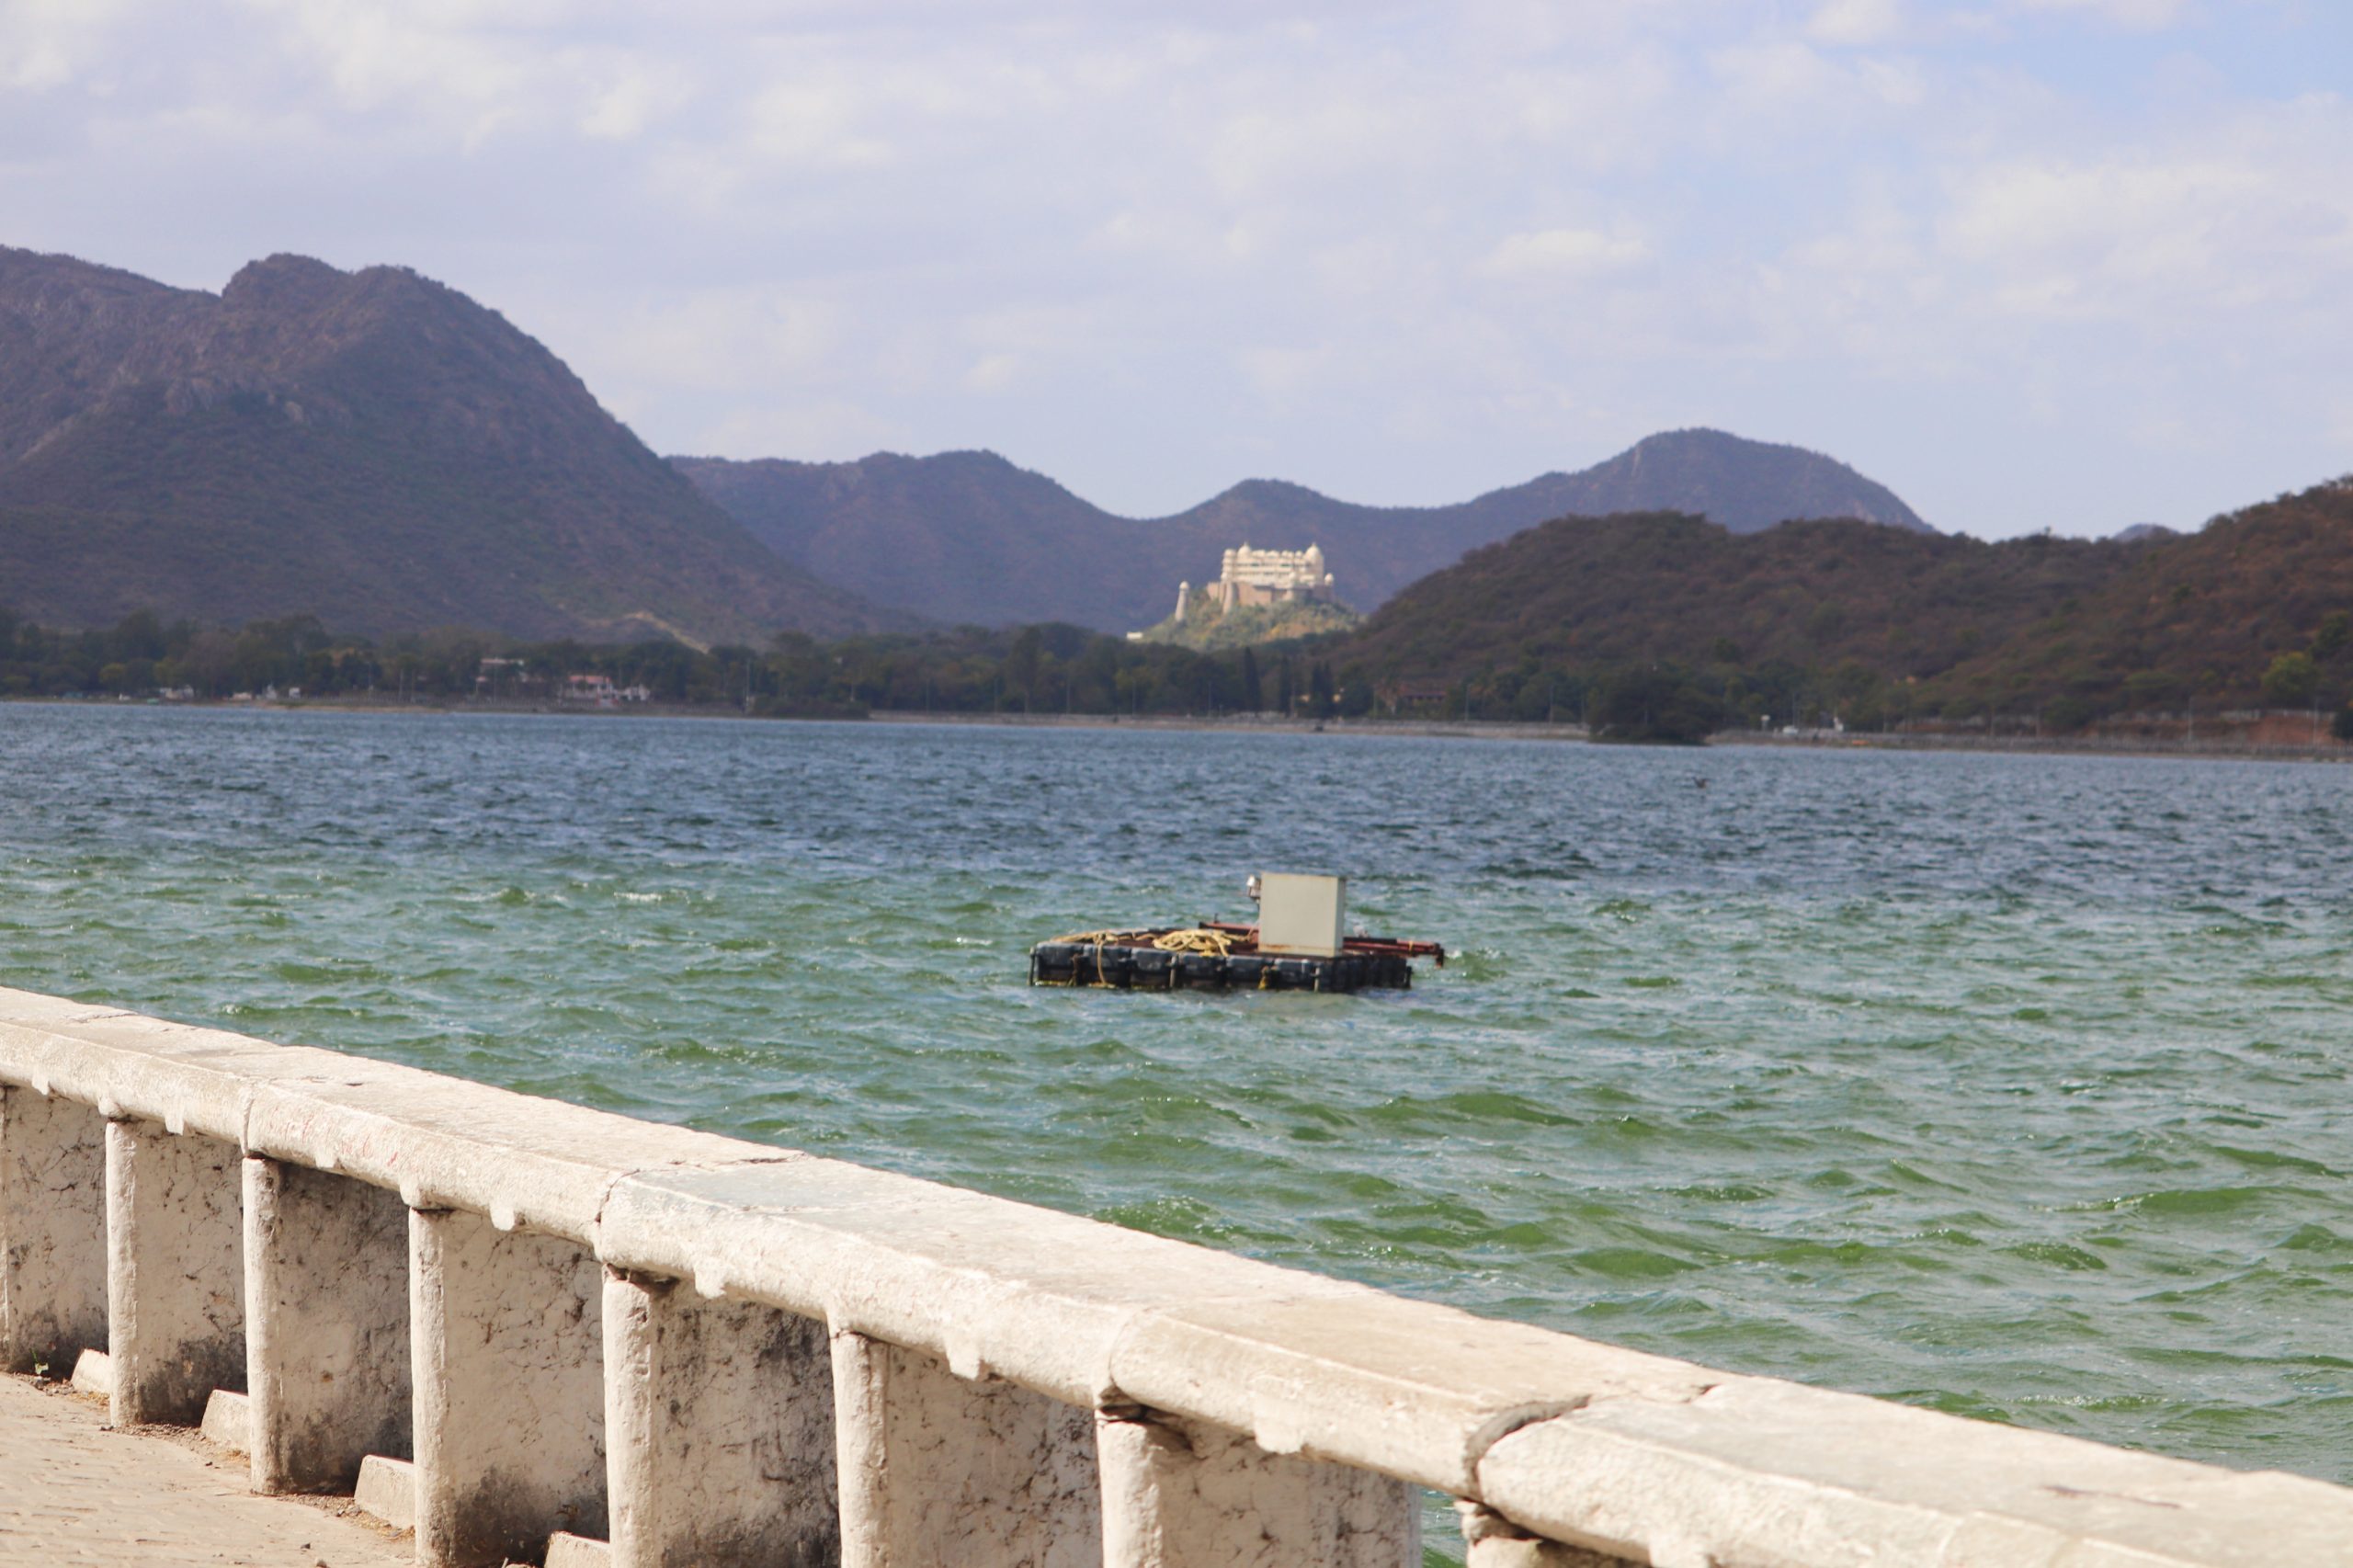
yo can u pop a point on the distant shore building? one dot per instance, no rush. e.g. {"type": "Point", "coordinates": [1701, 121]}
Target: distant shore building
{"type": "Point", "coordinates": [600, 690]}
{"type": "Point", "coordinates": [1251, 577]}
{"type": "Point", "coordinates": [1403, 696]}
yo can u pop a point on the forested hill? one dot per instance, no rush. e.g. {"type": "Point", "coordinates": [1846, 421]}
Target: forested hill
{"type": "Point", "coordinates": [2256, 608]}
{"type": "Point", "coordinates": [2204, 617]}
{"type": "Point", "coordinates": [370, 448]}
{"type": "Point", "coordinates": [1645, 586]}
{"type": "Point", "coordinates": [969, 538]}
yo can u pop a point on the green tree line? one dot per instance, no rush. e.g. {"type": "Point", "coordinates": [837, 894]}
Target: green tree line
{"type": "Point", "coordinates": [1067, 669]}
{"type": "Point", "coordinates": [1037, 669]}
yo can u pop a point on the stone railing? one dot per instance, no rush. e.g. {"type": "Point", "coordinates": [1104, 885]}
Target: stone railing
{"type": "Point", "coordinates": [532, 1329]}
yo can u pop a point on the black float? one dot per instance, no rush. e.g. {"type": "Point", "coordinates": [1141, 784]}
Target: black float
{"type": "Point", "coordinates": [1297, 944]}
{"type": "Point", "coordinates": [1129, 960]}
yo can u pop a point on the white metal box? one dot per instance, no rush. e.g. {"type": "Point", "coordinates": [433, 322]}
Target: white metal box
{"type": "Point", "coordinates": [1302, 916]}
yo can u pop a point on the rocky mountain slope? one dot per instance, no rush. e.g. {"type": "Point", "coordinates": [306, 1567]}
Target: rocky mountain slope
{"type": "Point", "coordinates": [1746, 486]}
{"type": "Point", "coordinates": [969, 538]}
{"type": "Point", "coordinates": [371, 448]}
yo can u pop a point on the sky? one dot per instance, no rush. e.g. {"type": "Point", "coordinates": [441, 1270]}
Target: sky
{"type": "Point", "coordinates": [2033, 264]}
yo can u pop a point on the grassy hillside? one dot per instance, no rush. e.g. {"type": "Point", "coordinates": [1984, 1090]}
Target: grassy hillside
{"type": "Point", "coordinates": [1208, 630]}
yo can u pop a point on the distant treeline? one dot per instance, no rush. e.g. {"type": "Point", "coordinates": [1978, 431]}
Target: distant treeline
{"type": "Point", "coordinates": [1045, 670]}
{"type": "Point", "coordinates": [1037, 669]}
{"type": "Point", "coordinates": [141, 655]}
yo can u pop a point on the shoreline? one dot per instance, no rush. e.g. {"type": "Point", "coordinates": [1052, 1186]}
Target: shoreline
{"type": "Point", "coordinates": [1515, 730]}
{"type": "Point", "coordinates": [1271, 724]}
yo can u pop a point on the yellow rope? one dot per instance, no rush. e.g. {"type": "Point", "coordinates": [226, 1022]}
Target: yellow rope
{"type": "Point", "coordinates": [1216, 944]}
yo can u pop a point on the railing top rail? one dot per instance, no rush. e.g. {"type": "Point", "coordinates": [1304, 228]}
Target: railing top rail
{"type": "Point", "coordinates": [1646, 1457]}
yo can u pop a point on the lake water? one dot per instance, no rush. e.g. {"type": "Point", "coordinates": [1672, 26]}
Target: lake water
{"type": "Point", "coordinates": [2011, 1085]}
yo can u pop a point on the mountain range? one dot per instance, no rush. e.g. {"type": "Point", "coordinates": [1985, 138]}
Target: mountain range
{"type": "Point", "coordinates": [970, 537]}
{"type": "Point", "coordinates": [371, 448]}
{"type": "Point", "coordinates": [379, 450]}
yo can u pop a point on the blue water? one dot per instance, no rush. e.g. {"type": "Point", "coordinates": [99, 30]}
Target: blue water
{"type": "Point", "coordinates": [2011, 1085]}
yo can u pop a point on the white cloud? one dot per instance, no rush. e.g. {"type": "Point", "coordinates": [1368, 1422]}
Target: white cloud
{"type": "Point", "coordinates": [2261, 217]}
{"type": "Point", "coordinates": [1269, 148]}
{"type": "Point", "coordinates": [2231, 242]}
{"type": "Point", "coordinates": [821, 430]}
{"type": "Point", "coordinates": [1776, 74]}
{"type": "Point", "coordinates": [1779, 87]}
{"type": "Point", "coordinates": [374, 53]}
{"type": "Point", "coordinates": [1564, 254]}
{"type": "Point", "coordinates": [631, 97]}
{"type": "Point", "coordinates": [1012, 341]}
{"type": "Point", "coordinates": [993, 372]}
{"type": "Point", "coordinates": [1280, 375]}
{"type": "Point", "coordinates": [46, 44]}
{"type": "Point", "coordinates": [813, 124]}
{"type": "Point", "coordinates": [2143, 16]}
{"type": "Point", "coordinates": [1854, 22]}
{"type": "Point", "coordinates": [733, 340]}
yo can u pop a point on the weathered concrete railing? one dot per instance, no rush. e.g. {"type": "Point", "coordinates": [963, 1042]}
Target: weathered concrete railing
{"type": "Point", "coordinates": [575, 1325]}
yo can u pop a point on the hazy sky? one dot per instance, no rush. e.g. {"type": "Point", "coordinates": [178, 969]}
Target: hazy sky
{"type": "Point", "coordinates": [2070, 263]}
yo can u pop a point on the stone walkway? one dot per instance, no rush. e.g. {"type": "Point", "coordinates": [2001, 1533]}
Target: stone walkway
{"type": "Point", "coordinates": [73, 1490]}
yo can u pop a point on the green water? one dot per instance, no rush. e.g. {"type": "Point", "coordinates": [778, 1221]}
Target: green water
{"type": "Point", "coordinates": [2010, 1085]}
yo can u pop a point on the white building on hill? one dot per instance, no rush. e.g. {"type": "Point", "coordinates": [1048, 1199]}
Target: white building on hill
{"type": "Point", "coordinates": [1263, 578]}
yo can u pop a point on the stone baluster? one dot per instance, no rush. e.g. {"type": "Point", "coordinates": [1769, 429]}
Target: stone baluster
{"type": "Point", "coordinates": [176, 1323]}
{"type": "Point", "coordinates": [508, 1366]}
{"type": "Point", "coordinates": [936, 1467]}
{"type": "Point", "coordinates": [326, 1326]}
{"type": "Point", "coordinates": [53, 1231]}
{"type": "Point", "coordinates": [718, 1417]}
{"type": "Point", "coordinates": [1181, 1495]}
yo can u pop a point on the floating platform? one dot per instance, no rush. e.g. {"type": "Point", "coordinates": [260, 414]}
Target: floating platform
{"type": "Point", "coordinates": [1220, 956]}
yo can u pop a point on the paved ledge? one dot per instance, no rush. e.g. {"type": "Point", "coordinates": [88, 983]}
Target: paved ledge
{"type": "Point", "coordinates": [76, 1491]}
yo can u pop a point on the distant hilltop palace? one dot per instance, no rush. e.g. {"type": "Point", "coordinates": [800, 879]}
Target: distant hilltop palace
{"type": "Point", "coordinates": [1262, 577]}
